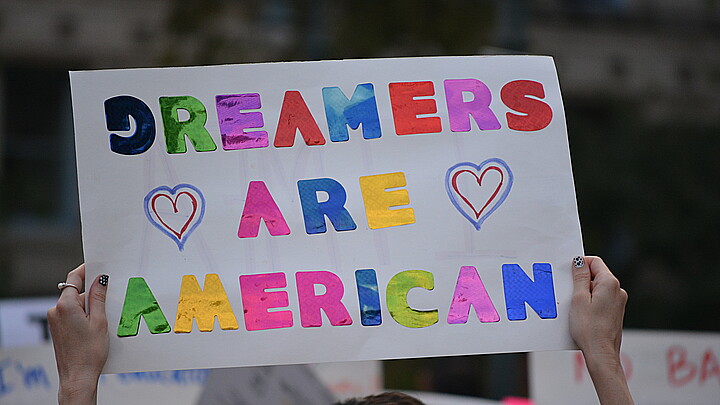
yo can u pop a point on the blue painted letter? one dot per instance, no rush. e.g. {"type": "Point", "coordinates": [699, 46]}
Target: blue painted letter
{"type": "Point", "coordinates": [519, 289]}
{"type": "Point", "coordinates": [369, 297]}
{"type": "Point", "coordinates": [314, 211]}
{"type": "Point", "coordinates": [117, 111]}
{"type": "Point", "coordinates": [341, 112]}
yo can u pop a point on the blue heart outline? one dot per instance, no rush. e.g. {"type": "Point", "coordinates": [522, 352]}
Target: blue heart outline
{"type": "Point", "coordinates": [478, 223]}
{"type": "Point", "coordinates": [179, 241]}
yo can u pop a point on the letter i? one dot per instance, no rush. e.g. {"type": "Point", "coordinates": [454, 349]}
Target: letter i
{"type": "Point", "coordinates": [369, 297]}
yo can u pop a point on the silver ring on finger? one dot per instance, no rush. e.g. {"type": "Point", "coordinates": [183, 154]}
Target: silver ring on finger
{"type": "Point", "coordinates": [63, 285]}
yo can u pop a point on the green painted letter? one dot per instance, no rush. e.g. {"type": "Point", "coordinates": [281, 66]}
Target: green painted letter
{"type": "Point", "coordinates": [140, 302]}
{"type": "Point", "coordinates": [193, 127]}
{"type": "Point", "coordinates": [396, 295]}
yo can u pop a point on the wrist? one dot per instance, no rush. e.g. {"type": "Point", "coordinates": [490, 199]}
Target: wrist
{"type": "Point", "coordinates": [81, 391]}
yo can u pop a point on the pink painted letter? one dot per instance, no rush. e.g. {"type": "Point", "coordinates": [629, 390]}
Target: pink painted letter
{"type": "Point", "coordinates": [259, 204]}
{"type": "Point", "coordinates": [330, 301]}
{"type": "Point", "coordinates": [470, 291]}
{"type": "Point", "coordinates": [256, 301]}
{"type": "Point", "coordinates": [460, 110]}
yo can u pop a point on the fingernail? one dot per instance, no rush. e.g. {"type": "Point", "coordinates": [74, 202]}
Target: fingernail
{"type": "Point", "coordinates": [103, 280]}
{"type": "Point", "coordinates": [578, 262]}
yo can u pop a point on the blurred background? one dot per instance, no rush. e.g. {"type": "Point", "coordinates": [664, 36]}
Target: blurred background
{"type": "Point", "coordinates": [641, 87]}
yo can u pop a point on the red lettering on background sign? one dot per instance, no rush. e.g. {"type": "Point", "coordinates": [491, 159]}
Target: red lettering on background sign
{"type": "Point", "coordinates": [680, 370]}
{"type": "Point", "coordinates": [709, 367]}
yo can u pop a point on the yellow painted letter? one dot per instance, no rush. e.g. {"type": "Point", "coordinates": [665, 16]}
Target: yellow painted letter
{"type": "Point", "coordinates": [378, 201]}
{"type": "Point", "coordinates": [203, 305]}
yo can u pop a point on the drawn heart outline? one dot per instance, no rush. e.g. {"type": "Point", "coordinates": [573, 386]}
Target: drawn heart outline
{"type": "Point", "coordinates": [174, 194]}
{"type": "Point", "coordinates": [496, 199]}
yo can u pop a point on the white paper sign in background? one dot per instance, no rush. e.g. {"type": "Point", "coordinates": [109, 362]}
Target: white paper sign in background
{"type": "Point", "coordinates": [426, 207]}
{"type": "Point", "coordinates": [662, 368]}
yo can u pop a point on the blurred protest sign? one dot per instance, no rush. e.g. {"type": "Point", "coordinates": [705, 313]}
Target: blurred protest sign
{"type": "Point", "coordinates": [23, 321]}
{"type": "Point", "coordinates": [28, 376]}
{"type": "Point", "coordinates": [327, 211]}
{"type": "Point", "coordinates": [662, 368]}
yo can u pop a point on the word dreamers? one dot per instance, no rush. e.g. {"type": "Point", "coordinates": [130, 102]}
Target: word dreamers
{"type": "Point", "coordinates": [239, 118]}
{"type": "Point", "coordinates": [263, 300]}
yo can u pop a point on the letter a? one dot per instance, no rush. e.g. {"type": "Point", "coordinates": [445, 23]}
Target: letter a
{"type": "Point", "coordinates": [470, 291]}
{"type": "Point", "coordinates": [141, 303]}
{"type": "Point", "coordinates": [259, 204]}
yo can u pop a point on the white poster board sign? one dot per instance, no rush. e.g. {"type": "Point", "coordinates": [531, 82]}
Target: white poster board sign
{"type": "Point", "coordinates": [327, 211]}
{"type": "Point", "coordinates": [662, 368]}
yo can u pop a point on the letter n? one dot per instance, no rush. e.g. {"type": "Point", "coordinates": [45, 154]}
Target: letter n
{"type": "Point", "coordinates": [520, 289]}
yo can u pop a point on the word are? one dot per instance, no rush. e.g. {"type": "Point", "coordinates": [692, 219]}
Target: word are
{"type": "Point", "coordinates": [263, 300]}
{"type": "Point", "coordinates": [413, 112]}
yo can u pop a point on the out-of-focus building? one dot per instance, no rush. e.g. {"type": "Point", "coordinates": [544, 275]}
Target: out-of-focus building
{"type": "Point", "coordinates": [662, 54]}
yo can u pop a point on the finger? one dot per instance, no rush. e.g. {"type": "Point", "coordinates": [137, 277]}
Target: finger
{"type": "Point", "coordinates": [96, 297]}
{"type": "Point", "coordinates": [597, 266]}
{"type": "Point", "coordinates": [81, 298]}
{"type": "Point", "coordinates": [601, 274]}
{"type": "Point", "coordinates": [581, 276]}
{"type": "Point", "coordinates": [76, 277]}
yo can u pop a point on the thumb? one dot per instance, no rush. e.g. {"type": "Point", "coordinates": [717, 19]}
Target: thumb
{"type": "Point", "coordinates": [581, 276]}
{"type": "Point", "coordinates": [96, 297]}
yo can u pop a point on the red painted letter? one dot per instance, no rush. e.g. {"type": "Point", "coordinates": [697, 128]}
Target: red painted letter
{"type": "Point", "coordinates": [534, 114]}
{"type": "Point", "coordinates": [406, 107]}
{"type": "Point", "coordinates": [295, 115]}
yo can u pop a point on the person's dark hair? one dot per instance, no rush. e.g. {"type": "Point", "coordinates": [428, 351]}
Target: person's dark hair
{"type": "Point", "coordinates": [386, 398]}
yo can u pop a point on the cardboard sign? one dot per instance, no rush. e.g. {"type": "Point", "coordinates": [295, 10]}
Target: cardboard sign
{"type": "Point", "coordinates": [327, 211]}
{"type": "Point", "coordinates": [662, 367]}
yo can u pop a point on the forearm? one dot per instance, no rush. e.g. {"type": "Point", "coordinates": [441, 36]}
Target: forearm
{"type": "Point", "coordinates": [608, 377]}
{"type": "Point", "coordinates": [82, 392]}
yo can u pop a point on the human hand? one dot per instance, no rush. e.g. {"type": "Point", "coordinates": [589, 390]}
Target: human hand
{"type": "Point", "coordinates": [80, 338]}
{"type": "Point", "coordinates": [596, 319]}
{"type": "Point", "coordinates": [598, 308]}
